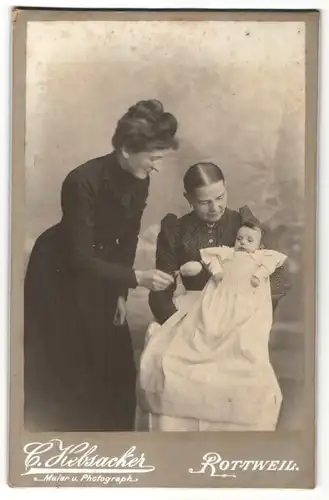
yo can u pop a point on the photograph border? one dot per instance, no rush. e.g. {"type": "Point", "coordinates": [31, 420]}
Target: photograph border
{"type": "Point", "coordinates": [306, 479]}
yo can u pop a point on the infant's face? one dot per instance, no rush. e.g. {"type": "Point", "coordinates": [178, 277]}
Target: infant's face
{"type": "Point", "coordinates": [248, 239]}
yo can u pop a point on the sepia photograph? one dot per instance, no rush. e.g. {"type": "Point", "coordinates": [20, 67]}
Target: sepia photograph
{"type": "Point", "coordinates": [164, 224]}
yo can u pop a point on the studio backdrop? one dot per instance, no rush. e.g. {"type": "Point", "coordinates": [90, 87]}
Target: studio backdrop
{"type": "Point", "coordinates": [238, 92]}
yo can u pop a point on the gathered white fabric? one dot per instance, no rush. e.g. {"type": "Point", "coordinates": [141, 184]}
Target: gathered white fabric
{"type": "Point", "coordinates": [210, 360]}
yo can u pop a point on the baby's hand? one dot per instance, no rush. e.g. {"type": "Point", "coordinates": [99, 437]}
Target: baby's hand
{"type": "Point", "coordinates": [218, 277]}
{"type": "Point", "coordinates": [255, 281]}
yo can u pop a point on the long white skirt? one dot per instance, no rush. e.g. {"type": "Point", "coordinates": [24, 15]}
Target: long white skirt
{"type": "Point", "coordinates": [208, 365]}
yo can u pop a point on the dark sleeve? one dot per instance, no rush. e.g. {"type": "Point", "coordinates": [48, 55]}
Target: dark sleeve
{"type": "Point", "coordinates": [161, 303]}
{"type": "Point", "coordinates": [78, 219]}
{"type": "Point", "coordinates": [280, 282]}
{"type": "Point", "coordinates": [128, 245]}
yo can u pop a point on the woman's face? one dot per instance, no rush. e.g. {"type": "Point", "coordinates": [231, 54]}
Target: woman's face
{"type": "Point", "coordinates": [209, 202]}
{"type": "Point", "coordinates": [141, 165]}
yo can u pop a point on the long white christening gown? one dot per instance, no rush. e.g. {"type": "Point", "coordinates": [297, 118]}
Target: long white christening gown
{"type": "Point", "coordinates": [210, 360]}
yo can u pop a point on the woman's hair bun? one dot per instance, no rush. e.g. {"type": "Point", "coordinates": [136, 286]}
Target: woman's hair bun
{"type": "Point", "coordinates": [145, 127]}
{"type": "Point", "coordinates": [167, 124]}
{"type": "Point", "coordinates": [150, 110]}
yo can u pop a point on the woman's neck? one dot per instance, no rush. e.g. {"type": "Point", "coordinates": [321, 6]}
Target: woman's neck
{"type": "Point", "coordinates": [122, 162]}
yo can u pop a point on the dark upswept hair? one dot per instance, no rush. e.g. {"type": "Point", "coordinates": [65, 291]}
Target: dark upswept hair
{"type": "Point", "coordinates": [201, 174]}
{"type": "Point", "coordinates": [146, 127]}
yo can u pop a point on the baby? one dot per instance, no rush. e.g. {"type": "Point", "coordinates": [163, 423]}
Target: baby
{"type": "Point", "coordinates": [248, 240]}
{"type": "Point", "coordinates": [210, 360]}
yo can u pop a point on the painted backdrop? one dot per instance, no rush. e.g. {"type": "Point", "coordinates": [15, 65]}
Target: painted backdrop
{"type": "Point", "coordinates": [238, 91]}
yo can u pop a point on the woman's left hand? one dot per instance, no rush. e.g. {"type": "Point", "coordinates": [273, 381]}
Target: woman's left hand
{"type": "Point", "coordinates": [120, 315]}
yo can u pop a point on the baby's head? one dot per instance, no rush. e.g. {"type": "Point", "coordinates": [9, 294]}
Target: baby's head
{"type": "Point", "coordinates": [250, 234]}
{"type": "Point", "coordinates": [249, 238]}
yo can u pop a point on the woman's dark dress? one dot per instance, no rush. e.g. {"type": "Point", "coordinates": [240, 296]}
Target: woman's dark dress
{"type": "Point", "coordinates": [180, 240]}
{"type": "Point", "coordinates": [79, 369]}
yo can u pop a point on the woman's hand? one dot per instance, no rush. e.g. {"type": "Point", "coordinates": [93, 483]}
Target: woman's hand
{"type": "Point", "coordinates": [154, 279]}
{"type": "Point", "coordinates": [120, 315]}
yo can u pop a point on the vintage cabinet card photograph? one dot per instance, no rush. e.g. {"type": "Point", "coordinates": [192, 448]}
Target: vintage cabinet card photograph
{"type": "Point", "coordinates": [163, 248]}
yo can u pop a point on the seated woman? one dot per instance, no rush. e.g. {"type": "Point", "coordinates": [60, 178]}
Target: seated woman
{"type": "Point", "coordinates": [209, 224]}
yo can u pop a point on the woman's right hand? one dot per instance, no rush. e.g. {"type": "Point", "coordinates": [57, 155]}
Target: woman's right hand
{"type": "Point", "coordinates": [154, 279]}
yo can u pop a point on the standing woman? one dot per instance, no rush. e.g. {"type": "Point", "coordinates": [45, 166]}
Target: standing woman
{"type": "Point", "coordinates": [79, 372]}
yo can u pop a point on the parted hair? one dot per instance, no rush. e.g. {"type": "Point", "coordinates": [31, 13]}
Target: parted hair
{"type": "Point", "coordinates": [201, 174]}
